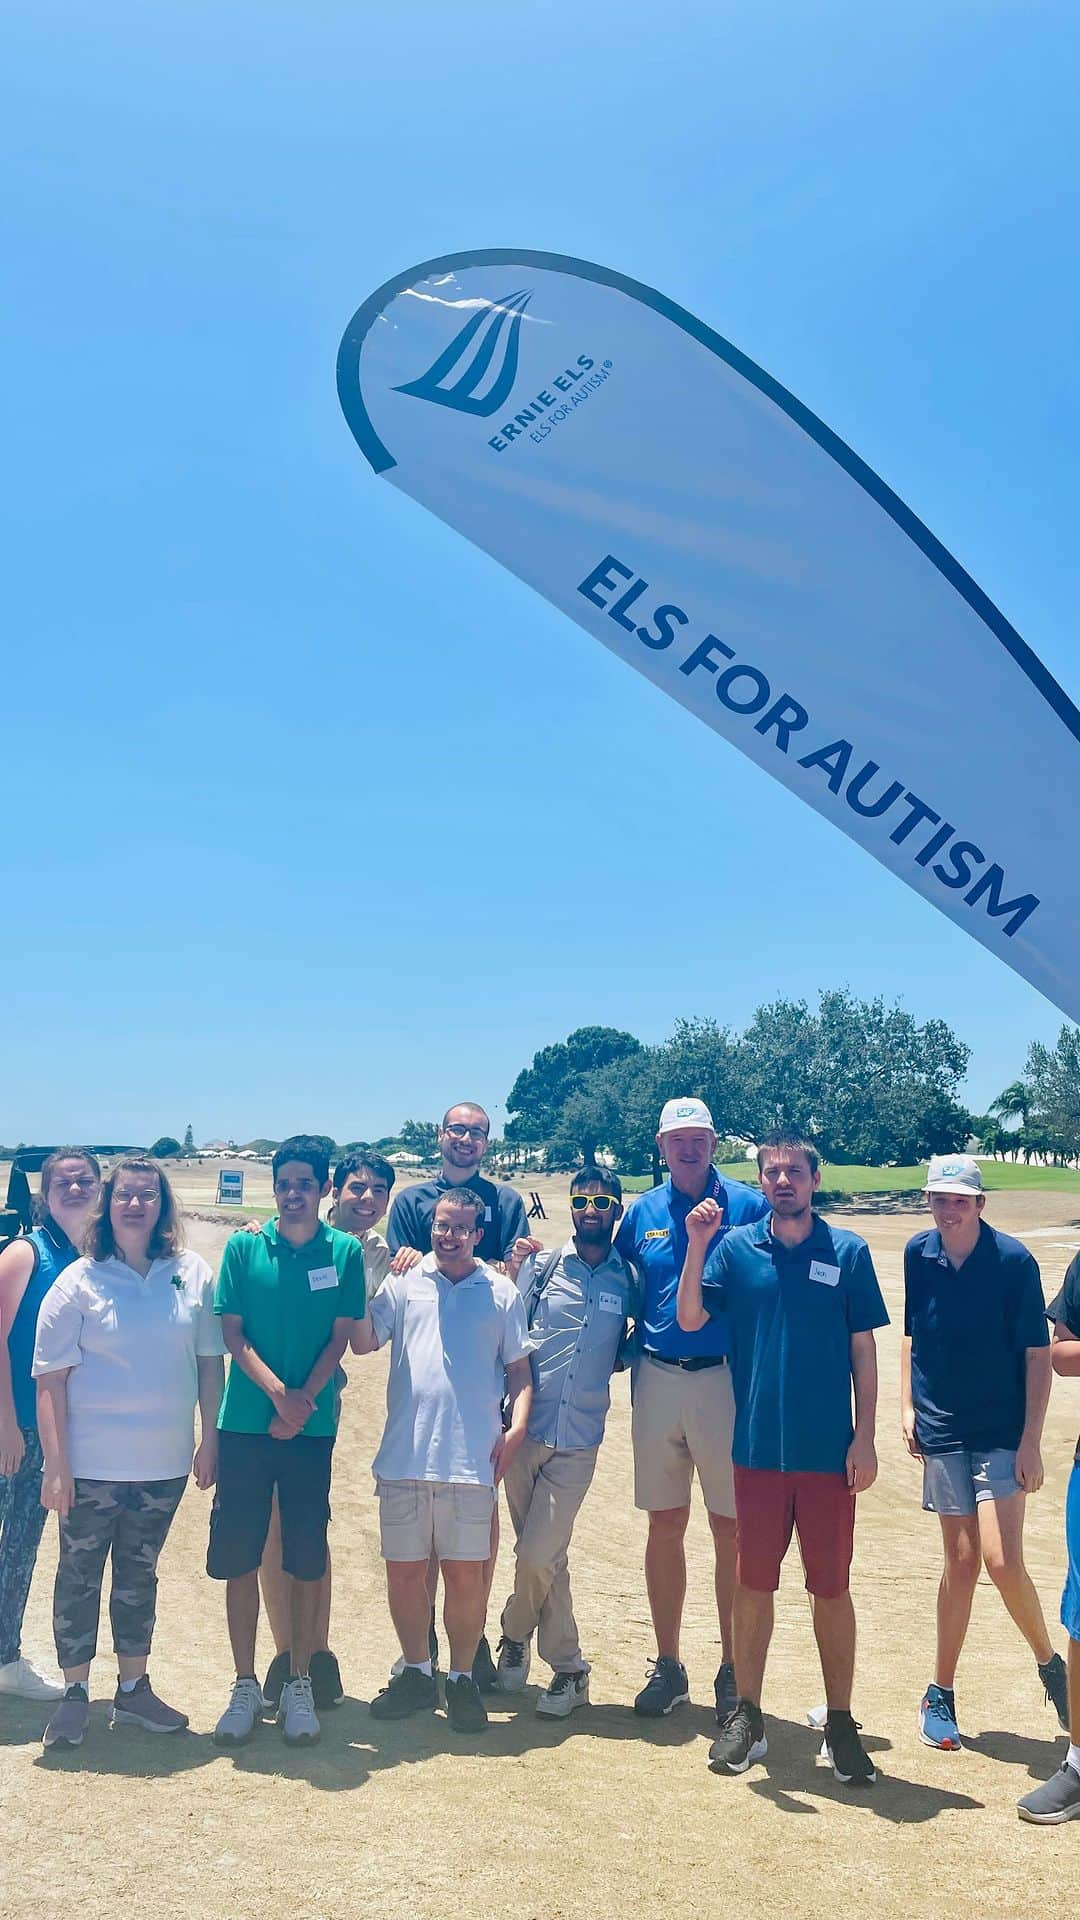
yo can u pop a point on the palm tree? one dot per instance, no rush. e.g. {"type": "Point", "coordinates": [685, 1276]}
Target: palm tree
{"type": "Point", "coordinates": [1013, 1103]}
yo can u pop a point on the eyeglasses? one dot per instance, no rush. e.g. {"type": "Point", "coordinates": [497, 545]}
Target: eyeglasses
{"type": "Point", "coordinates": [603, 1202]}
{"type": "Point", "coordinates": [125, 1196]}
{"type": "Point", "coordinates": [452, 1233]}
{"type": "Point", "coordinates": [457, 1132]}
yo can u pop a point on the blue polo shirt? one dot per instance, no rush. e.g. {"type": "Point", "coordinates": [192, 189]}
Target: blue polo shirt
{"type": "Point", "coordinates": [653, 1237]}
{"type": "Point", "coordinates": [791, 1313]}
{"type": "Point", "coordinates": [970, 1328]}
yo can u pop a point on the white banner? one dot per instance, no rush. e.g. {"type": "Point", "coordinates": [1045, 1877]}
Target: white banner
{"type": "Point", "coordinates": [683, 508]}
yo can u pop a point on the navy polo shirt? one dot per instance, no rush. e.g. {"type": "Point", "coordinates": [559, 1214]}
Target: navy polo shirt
{"type": "Point", "coordinates": [1065, 1307]}
{"type": "Point", "coordinates": [653, 1237]}
{"type": "Point", "coordinates": [792, 1312]}
{"type": "Point", "coordinates": [970, 1328]}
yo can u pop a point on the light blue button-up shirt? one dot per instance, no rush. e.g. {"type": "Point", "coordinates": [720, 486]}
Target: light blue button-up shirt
{"type": "Point", "coordinates": [577, 1327]}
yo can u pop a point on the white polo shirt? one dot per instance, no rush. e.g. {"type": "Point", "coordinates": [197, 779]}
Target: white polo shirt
{"type": "Point", "coordinates": [131, 1344]}
{"type": "Point", "coordinates": [451, 1342]}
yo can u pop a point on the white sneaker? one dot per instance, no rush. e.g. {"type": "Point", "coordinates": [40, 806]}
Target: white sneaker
{"type": "Point", "coordinates": [23, 1681]}
{"type": "Point", "coordinates": [296, 1715]}
{"type": "Point", "coordinates": [515, 1659]}
{"type": "Point", "coordinates": [567, 1691]}
{"type": "Point", "coordinates": [242, 1715]}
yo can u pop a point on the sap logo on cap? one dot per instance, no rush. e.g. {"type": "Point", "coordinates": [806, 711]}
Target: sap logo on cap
{"type": "Point", "coordinates": [953, 1173]}
{"type": "Point", "coordinates": [685, 1113]}
{"type": "Point", "coordinates": [492, 364]}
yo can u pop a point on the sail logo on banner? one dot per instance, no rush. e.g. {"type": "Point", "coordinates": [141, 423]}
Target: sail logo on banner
{"type": "Point", "coordinates": [488, 347]}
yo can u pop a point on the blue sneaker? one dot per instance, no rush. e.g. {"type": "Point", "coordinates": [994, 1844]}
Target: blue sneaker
{"type": "Point", "coordinates": [937, 1719]}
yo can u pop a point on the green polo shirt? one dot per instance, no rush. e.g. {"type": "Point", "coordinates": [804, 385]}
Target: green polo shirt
{"type": "Point", "coordinates": [288, 1299]}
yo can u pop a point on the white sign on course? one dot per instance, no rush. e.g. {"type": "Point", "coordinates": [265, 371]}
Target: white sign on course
{"type": "Point", "coordinates": [681, 506]}
{"type": "Point", "coordinates": [230, 1188]}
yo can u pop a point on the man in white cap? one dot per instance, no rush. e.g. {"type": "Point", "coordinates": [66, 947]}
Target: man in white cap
{"type": "Point", "coordinates": [684, 1410]}
{"type": "Point", "coordinates": [974, 1385]}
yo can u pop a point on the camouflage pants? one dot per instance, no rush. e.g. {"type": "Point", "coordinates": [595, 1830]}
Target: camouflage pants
{"type": "Point", "coordinates": [131, 1518]}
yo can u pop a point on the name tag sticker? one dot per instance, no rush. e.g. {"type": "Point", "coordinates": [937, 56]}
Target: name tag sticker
{"type": "Point", "coordinates": [824, 1275]}
{"type": "Point", "coordinates": [320, 1278]}
{"type": "Point", "coordinates": [610, 1303]}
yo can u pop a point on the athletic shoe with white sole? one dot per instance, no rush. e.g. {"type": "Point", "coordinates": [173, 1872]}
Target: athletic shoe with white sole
{"type": "Point", "coordinates": [740, 1741]}
{"type": "Point", "coordinates": [937, 1719]}
{"type": "Point", "coordinates": [666, 1687]}
{"type": "Point", "coordinates": [326, 1683]}
{"type": "Point", "coordinates": [243, 1715]}
{"type": "Point", "coordinates": [68, 1722]}
{"type": "Point", "coordinates": [515, 1659]}
{"type": "Point", "coordinates": [851, 1764]}
{"type": "Point", "coordinates": [296, 1715]}
{"type": "Point", "coordinates": [21, 1680]}
{"type": "Point", "coordinates": [567, 1691]}
{"type": "Point", "coordinates": [1056, 1800]}
{"type": "Point", "coordinates": [141, 1708]}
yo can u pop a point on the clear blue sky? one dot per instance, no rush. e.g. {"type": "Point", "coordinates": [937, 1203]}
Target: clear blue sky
{"type": "Point", "coordinates": [294, 778]}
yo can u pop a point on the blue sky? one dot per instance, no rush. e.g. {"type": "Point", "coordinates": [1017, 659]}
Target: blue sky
{"type": "Point", "coordinates": [294, 778]}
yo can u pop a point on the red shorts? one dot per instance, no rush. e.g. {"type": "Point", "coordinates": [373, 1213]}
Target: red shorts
{"type": "Point", "coordinates": [821, 1509]}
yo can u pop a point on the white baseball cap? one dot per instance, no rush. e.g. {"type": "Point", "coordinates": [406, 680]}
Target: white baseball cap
{"type": "Point", "coordinates": [685, 1113]}
{"type": "Point", "coordinates": [953, 1173]}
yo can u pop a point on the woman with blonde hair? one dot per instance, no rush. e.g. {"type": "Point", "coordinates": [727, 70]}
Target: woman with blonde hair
{"type": "Point", "coordinates": [70, 1178]}
{"type": "Point", "coordinates": [127, 1342]}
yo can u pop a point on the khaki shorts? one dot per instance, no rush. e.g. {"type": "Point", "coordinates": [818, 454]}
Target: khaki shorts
{"type": "Point", "coordinates": [417, 1516]}
{"type": "Point", "coordinates": [681, 1421]}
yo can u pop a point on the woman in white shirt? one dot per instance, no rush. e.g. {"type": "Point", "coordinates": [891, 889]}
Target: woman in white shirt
{"type": "Point", "coordinates": [127, 1341]}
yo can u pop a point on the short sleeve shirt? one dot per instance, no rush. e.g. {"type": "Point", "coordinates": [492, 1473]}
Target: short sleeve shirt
{"type": "Point", "coordinates": [1064, 1309]}
{"type": "Point", "coordinates": [791, 1313]}
{"type": "Point", "coordinates": [132, 1343]}
{"type": "Point", "coordinates": [970, 1328]}
{"type": "Point", "coordinates": [409, 1224]}
{"type": "Point", "coordinates": [288, 1299]}
{"type": "Point", "coordinates": [451, 1342]}
{"type": "Point", "coordinates": [578, 1324]}
{"type": "Point", "coordinates": [653, 1236]}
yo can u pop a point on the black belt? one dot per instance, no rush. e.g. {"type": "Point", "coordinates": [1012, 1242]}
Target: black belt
{"type": "Point", "coordinates": [695, 1364]}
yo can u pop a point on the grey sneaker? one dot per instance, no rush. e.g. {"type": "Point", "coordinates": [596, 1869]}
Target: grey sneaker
{"type": "Point", "coordinates": [741, 1740]}
{"type": "Point", "coordinates": [297, 1718]}
{"type": "Point", "coordinates": [1057, 1800]}
{"type": "Point", "coordinates": [1055, 1679]}
{"type": "Point", "coordinates": [567, 1691]}
{"type": "Point", "coordinates": [68, 1724]}
{"type": "Point", "coordinates": [142, 1708]}
{"type": "Point", "coordinates": [242, 1715]}
{"type": "Point", "coordinates": [515, 1658]}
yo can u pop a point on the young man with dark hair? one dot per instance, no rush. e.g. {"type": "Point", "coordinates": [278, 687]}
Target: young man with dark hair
{"type": "Point", "coordinates": [288, 1298]}
{"type": "Point", "coordinates": [683, 1409]}
{"type": "Point", "coordinates": [463, 1139]}
{"type": "Point", "coordinates": [458, 1339]}
{"type": "Point", "coordinates": [359, 1194]}
{"type": "Point", "coordinates": [801, 1301]}
{"type": "Point", "coordinates": [1058, 1799]}
{"type": "Point", "coordinates": [975, 1377]}
{"type": "Point", "coordinates": [578, 1302]}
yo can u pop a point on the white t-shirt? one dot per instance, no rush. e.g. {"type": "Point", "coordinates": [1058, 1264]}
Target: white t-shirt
{"type": "Point", "coordinates": [450, 1345]}
{"type": "Point", "coordinates": [131, 1344]}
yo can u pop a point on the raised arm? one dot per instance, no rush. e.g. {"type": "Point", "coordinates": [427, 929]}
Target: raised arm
{"type": "Point", "coordinates": [701, 1223]}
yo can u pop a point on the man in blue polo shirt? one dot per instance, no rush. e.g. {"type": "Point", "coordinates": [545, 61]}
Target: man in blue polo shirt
{"type": "Point", "coordinates": [683, 1407]}
{"type": "Point", "coordinates": [801, 1301]}
{"type": "Point", "coordinates": [974, 1385]}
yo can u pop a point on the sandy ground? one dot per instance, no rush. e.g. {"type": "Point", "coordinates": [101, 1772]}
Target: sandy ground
{"type": "Point", "coordinates": [597, 1813]}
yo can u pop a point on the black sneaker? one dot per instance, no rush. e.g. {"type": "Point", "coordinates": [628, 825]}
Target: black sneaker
{"type": "Point", "coordinates": [1056, 1800]}
{"type": "Point", "coordinates": [740, 1741]}
{"type": "Point", "coordinates": [276, 1675]}
{"type": "Point", "coordinates": [1056, 1681]}
{"type": "Point", "coordinates": [465, 1710]}
{"type": "Point", "coordinates": [850, 1761]}
{"type": "Point", "coordinates": [725, 1691]}
{"type": "Point", "coordinates": [410, 1691]}
{"type": "Point", "coordinates": [484, 1671]}
{"type": "Point", "coordinates": [326, 1679]}
{"type": "Point", "coordinates": [666, 1687]}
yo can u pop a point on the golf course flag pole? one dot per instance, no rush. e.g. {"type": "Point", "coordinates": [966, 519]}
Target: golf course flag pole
{"type": "Point", "coordinates": [685, 509]}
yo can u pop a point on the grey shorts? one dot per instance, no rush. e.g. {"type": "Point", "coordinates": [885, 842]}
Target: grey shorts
{"type": "Point", "coordinates": [959, 1482]}
{"type": "Point", "coordinates": [417, 1517]}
